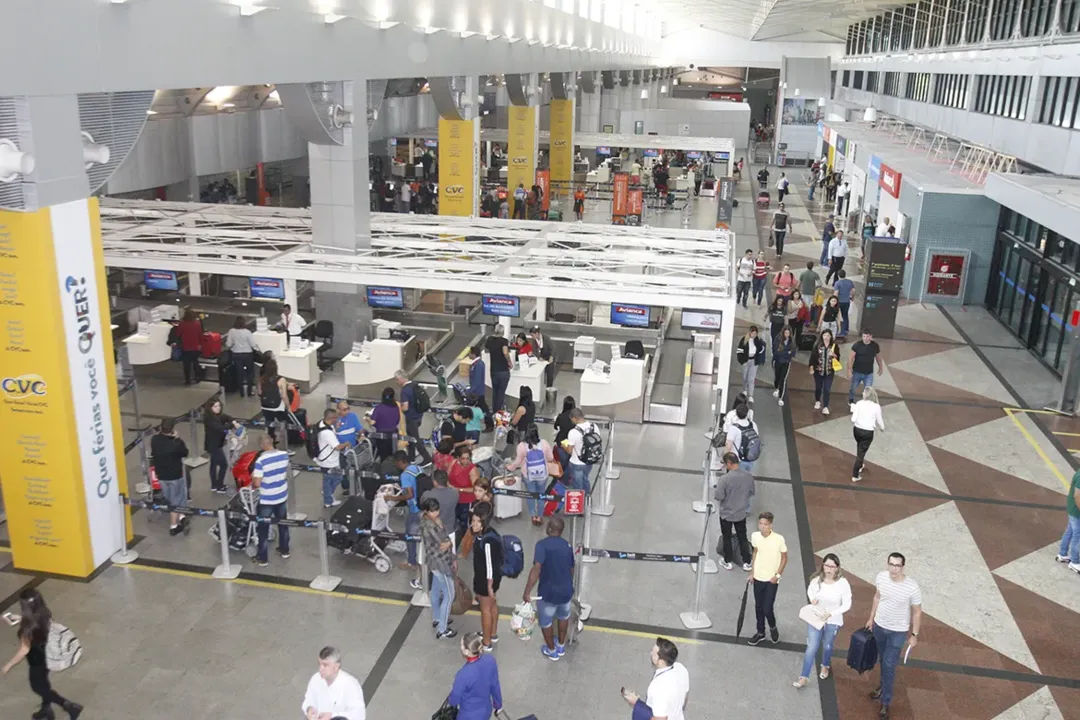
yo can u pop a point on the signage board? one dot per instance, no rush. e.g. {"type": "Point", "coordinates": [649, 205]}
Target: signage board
{"type": "Point", "coordinates": [603, 151]}
{"type": "Point", "coordinates": [620, 192]}
{"type": "Point", "coordinates": [693, 155]}
{"type": "Point", "coordinates": [945, 275]}
{"type": "Point", "coordinates": [885, 263]}
{"type": "Point", "coordinates": [575, 502]}
{"type": "Point", "coordinates": [725, 196]}
{"type": "Point", "coordinates": [543, 181]}
{"type": "Point", "coordinates": [652, 153]}
{"type": "Point", "coordinates": [160, 280]}
{"type": "Point", "coordinates": [502, 305]}
{"type": "Point", "coordinates": [385, 297]}
{"type": "Point", "coordinates": [841, 144]}
{"type": "Point", "coordinates": [890, 180]}
{"type": "Point", "coordinates": [875, 168]}
{"type": "Point", "coordinates": [701, 319]}
{"type": "Point", "coordinates": [561, 155]}
{"type": "Point", "coordinates": [630, 315]}
{"type": "Point", "coordinates": [635, 202]}
{"type": "Point", "coordinates": [458, 167]}
{"type": "Point", "coordinates": [269, 288]}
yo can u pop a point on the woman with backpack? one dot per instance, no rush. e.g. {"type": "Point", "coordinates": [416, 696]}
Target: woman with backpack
{"type": "Point", "coordinates": [751, 355]}
{"type": "Point", "coordinates": [487, 570]}
{"type": "Point", "coordinates": [784, 351]}
{"type": "Point", "coordinates": [785, 282]}
{"type": "Point", "coordinates": [533, 456]}
{"type": "Point", "coordinates": [272, 393]}
{"type": "Point", "coordinates": [824, 362]}
{"type": "Point", "coordinates": [33, 632]}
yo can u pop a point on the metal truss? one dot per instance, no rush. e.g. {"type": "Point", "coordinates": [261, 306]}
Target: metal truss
{"type": "Point", "coordinates": [615, 140]}
{"type": "Point", "coordinates": [605, 263]}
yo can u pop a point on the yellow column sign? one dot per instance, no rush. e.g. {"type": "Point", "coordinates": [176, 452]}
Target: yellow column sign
{"type": "Point", "coordinates": [561, 158]}
{"type": "Point", "coordinates": [521, 147]}
{"type": "Point", "coordinates": [459, 165]}
{"type": "Point", "coordinates": [61, 449]}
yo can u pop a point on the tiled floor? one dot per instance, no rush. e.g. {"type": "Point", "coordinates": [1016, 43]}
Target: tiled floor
{"type": "Point", "coordinates": [965, 481]}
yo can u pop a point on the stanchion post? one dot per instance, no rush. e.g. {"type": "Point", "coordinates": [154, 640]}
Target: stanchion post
{"type": "Point", "coordinates": [606, 508]}
{"type": "Point", "coordinates": [700, 506]}
{"type": "Point", "coordinates": [612, 473]}
{"type": "Point", "coordinates": [195, 459]}
{"type": "Point", "coordinates": [711, 568]}
{"type": "Point", "coordinates": [695, 619]}
{"type": "Point", "coordinates": [324, 580]}
{"type": "Point", "coordinates": [586, 540]}
{"type": "Point", "coordinates": [143, 487]}
{"type": "Point", "coordinates": [422, 597]}
{"type": "Point", "coordinates": [226, 570]}
{"type": "Point", "coordinates": [123, 556]}
{"type": "Point", "coordinates": [290, 501]}
{"type": "Point", "coordinates": [579, 571]}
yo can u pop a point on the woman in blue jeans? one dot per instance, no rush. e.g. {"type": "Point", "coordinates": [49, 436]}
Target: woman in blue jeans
{"type": "Point", "coordinates": [830, 597]}
{"type": "Point", "coordinates": [533, 456]}
{"type": "Point", "coordinates": [439, 558]}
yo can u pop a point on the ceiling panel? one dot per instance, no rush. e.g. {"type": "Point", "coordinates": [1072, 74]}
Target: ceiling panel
{"type": "Point", "coordinates": [802, 20]}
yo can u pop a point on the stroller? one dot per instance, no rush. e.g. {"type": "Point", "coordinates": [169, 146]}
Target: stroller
{"type": "Point", "coordinates": [358, 513]}
{"type": "Point", "coordinates": [241, 532]}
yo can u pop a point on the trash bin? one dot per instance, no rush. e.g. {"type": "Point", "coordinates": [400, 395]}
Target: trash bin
{"type": "Point", "coordinates": [551, 397]}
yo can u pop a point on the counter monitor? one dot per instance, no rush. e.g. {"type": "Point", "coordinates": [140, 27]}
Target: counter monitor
{"type": "Point", "coordinates": [502, 305]}
{"type": "Point", "coordinates": [160, 280]}
{"type": "Point", "coordinates": [385, 297]}
{"type": "Point", "coordinates": [630, 315]}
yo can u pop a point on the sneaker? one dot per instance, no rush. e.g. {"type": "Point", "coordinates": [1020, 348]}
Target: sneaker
{"type": "Point", "coordinates": [747, 567]}
{"type": "Point", "coordinates": [552, 655]}
{"type": "Point", "coordinates": [781, 403]}
{"type": "Point", "coordinates": [175, 530]}
{"type": "Point", "coordinates": [415, 584]}
{"type": "Point", "coordinates": [219, 491]}
{"type": "Point", "coordinates": [855, 479]}
{"type": "Point", "coordinates": [335, 503]}
{"type": "Point", "coordinates": [776, 393]}
{"type": "Point", "coordinates": [1062, 558]}
{"type": "Point", "coordinates": [875, 693]}
{"type": "Point", "coordinates": [284, 554]}
{"type": "Point", "coordinates": [751, 400]}
{"type": "Point", "coordinates": [74, 710]}
{"type": "Point", "coordinates": [758, 637]}
{"type": "Point", "coordinates": [851, 406]}
{"type": "Point", "coordinates": [1075, 568]}
{"type": "Point", "coordinates": [726, 565]}
{"type": "Point", "coordinates": [435, 623]}
{"type": "Point", "coordinates": [817, 405]}
{"type": "Point", "coordinates": [774, 635]}
{"type": "Point", "coordinates": [449, 634]}
{"type": "Point", "coordinates": [561, 649]}
{"type": "Point", "coordinates": [262, 563]}
{"type": "Point", "coordinates": [291, 452]}
{"type": "Point", "coordinates": [884, 713]}
{"type": "Point", "coordinates": [825, 411]}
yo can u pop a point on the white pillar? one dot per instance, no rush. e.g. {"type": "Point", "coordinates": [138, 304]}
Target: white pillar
{"type": "Point", "coordinates": [541, 309]}
{"type": "Point", "coordinates": [507, 330]}
{"type": "Point", "coordinates": [290, 293]}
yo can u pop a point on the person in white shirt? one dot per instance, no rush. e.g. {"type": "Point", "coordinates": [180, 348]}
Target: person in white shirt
{"type": "Point", "coordinates": [406, 198]}
{"type": "Point", "coordinates": [734, 439]}
{"type": "Point", "coordinates": [895, 616]}
{"type": "Point", "coordinates": [841, 198]}
{"type": "Point", "coordinates": [744, 278]}
{"type": "Point", "coordinates": [830, 597]}
{"type": "Point", "coordinates": [333, 693]}
{"type": "Point", "coordinates": [837, 255]}
{"type": "Point", "coordinates": [882, 229]}
{"type": "Point", "coordinates": [781, 187]}
{"type": "Point", "coordinates": [329, 457]}
{"type": "Point", "coordinates": [292, 322]}
{"type": "Point", "coordinates": [670, 686]}
{"type": "Point", "coordinates": [579, 469]}
{"type": "Point", "coordinates": [865, 416]}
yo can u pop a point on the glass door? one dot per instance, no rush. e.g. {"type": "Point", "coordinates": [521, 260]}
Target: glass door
{"type": "Point", "coordinates": [1021, 282]}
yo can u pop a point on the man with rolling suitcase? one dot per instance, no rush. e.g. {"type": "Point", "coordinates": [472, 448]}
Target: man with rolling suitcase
{"type": "Point", "coordinates": [895, 619]}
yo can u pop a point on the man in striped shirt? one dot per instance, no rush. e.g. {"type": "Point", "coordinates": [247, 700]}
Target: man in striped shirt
{"type": "Point", "coordinates": [894, 618]}
{"type": "Point", "coordinates": [271, 477]}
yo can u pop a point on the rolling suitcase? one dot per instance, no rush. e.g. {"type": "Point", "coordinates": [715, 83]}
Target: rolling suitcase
{"type": "Point", "coordinates": [295, 426]}
{"type": "Point", "coordinates": [862, 652]}
{"type": "Point", "coordinates": [211, 344]}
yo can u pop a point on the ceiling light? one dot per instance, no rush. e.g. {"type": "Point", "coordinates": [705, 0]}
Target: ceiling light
{"type": "Point", "coordinates": [493, 36]}
{"type": "Point", "coordinates": [151, 112]}
{"type": "Point", "coordinates": [644, 94]}
{"type": "Point", "coordinates": [227, 105]}
{"type": "Point", "coordinates": [534, 42]}
{"type": "Point", "coordinates": [466, 34]}
{"type": "Point", "coordinates": [431, 30]}
{"type": "Point", "coordinates": [870, 115]}
{"type": "Point", "coordinates": [247, 9]}
{"type": "Point", "coordinates": [387, 24]}
{"type": "Point", "coordinates": [331, 18]}
{"type": "Point", "coordinates": [512, 39]}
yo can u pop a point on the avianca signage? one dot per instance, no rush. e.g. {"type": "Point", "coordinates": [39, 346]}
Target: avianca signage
{"type": "Point", "coordinates": [890, 180]}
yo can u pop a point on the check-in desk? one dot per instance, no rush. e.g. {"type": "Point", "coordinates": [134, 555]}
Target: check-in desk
{"type": "Point", "coordinates": [601, 174]}
{"type": "Point", "coordinates": [301, 366]}
{"type": "Point", "coordinates": [150, 349]}
{"type": "Point", "coordinates": [531, 376]}
{"type": "Point", "coordinates": [368, 372]}
{"type": "Point", "coordinates": [272, 342]}
{"type": "Point", "coordinates": [620, 392]}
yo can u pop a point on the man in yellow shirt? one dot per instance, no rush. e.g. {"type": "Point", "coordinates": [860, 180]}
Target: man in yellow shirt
{"type": "Point", "coordinates": [768, 563]}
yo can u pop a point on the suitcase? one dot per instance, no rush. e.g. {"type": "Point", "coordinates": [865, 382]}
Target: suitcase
{"type": "Point", "coordinates": [554, 488]}
{"type": "Point", "coordinates": [355, 513]}
{"type": "Point", "coordinates": [806, 342]}
{"type": "Point", "coordinates": [211, 344]}
{"type": "Point", "coordinates": [763, 199]}
{"type": "Point", "coordinates": [507, 506]}
{"type": "Point", "coordinates": [554, 214]}
{"type": "Point", "coordinates": [295, 430]}
{"type": "Point", "coordinates": [862, 652]}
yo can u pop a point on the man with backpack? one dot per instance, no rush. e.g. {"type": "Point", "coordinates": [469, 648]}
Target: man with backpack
{"type": "Point", "coordinates": [414, 484]}
{"type": "Point", "coordinates": [743, 439]}
{"type": "Point", "coordinates": [325, 449]}
{"type": "Point", "coordinates": [553, 569]}
{"type": "Point", "coordinates": [414, 403]}
{"type": "Point", "coordinates": [586, 450]}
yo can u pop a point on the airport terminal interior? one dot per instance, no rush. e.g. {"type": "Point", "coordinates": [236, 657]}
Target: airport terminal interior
{"type": "Point", "coordinates": [629, 193]}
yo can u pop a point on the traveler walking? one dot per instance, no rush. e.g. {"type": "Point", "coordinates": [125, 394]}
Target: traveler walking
{"type": "Point", "coordinates": [761, 272]}
{"type": "Point", "coordinates": [553, 570]}
{"type": "Point", "coordinates": [241, 342]}
{"type": "Point", "coordinates": [768, 563]}
{"type": "Point", "coordinates": [332, 693]}
{"type": "Point", "coordinates": [815, 175]}
{"type": "Point", "coordinates": [776, 316]}
{"type": "Point", "coordinates": [734, 493]}
{"type": "Point", "coordinates": [826, 237]}
{"type": "Point", "coordinates": [824, 357]}
{"type": "Point", "coordinates": [780, 224]}
{"type": "Point", "coordinates": [273, 390]}
{"type": "Point", "coordinates": [1069, 552]}
{"type": "Point", "coordinates": [439, 559]}
{"type": "Point", "coordinates": [586, 449]}
{"type": "Point", "coordinates": [329, 457]}
{"type": "Point", "coordinates": [785, 282]}
{"type": "Point", "coordinates": [270, 477]}
{"type": "Point", "coordinates": [750, 353]}
{"type": "Point", "coordinates": [830, 597]}
{"type": "Point", "coordinates": [895, 617]}
{"type": "Point", "coordinates": [837, 254]}
{"type": "Point", "coordinates": [35, 622]}
{"type": "Point", "coordinates": [477, 388]}
{"type": "Point", "coordinates": [487, 570]}
{"type": "Point", "coordinates": [784, 351]}
{"type": "Point", "coordinates": [798, 314]}
{"type": "Point", "coordinates": [476, 692]}
{"type": "Point", "coordinates": [865, 416]}
{"type": "Point", "coordinates": [669, 688]}
{"type": "Point", "coordinates": [167, 453]}
{"type": "Point", "coordinates": [809, 281]}
{"type": "Point", "coordinates": [882, 230]}
{"type": "Point", "coordinates": [216, 427]}
{"type": "Point", "coordinates": [864, 354]}
{"type": "Point", "coordinates": [533, 456]}
{"type": "Point", "coordinates": [498, 349]}
{"type": "Point", "coordinates": [413, 407]}
{"type": "Point", "coordinates": [842, 193]}
{"type": "Point", "coordinates": [385, 418]}
{"type": "Point", "coordinates": [742, 438]}
{"type": "Point", "coordinates": [830, 316]}
{"type": "Point", "coordinates": [744, 278]}
{"type": "Point", "coordinates": [845, 293]}
{"type": "Point", "coordinates": [189, 337]}
{"type": "Point", "coordinates": [781, 187]}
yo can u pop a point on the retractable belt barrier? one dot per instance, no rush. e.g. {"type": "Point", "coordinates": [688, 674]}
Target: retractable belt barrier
{"type": "Point", "coordinates": [649, 557]}
{"type": "Point", "coordinates": [331, 399]}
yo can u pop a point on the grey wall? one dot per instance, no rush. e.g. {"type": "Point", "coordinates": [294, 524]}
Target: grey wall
{"type": "Point", "coordinates": [400, 116]}
{"type": "Point", "coordinates": [706, 118]}
{"type": "Point", "coordinates": [811, 77]}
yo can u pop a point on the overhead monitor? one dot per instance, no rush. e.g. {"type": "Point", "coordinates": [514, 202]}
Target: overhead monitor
{"type": "Point", "coordinates": [431, 143]}
{"type": "Point", "coordinates": [268, 288]}
{"type": "Point", "coordinates": [721, 156]}
{"type": "Point", "coordinates": [603, 151]}
{"type": "Point", "coordinates": [701, 320]}
{"type": "Point", "coordinates": [630, 315]}
{"type": "Point", "coordinates": [693, 155]}
{"type": "Point", "coordinates": [160, 280]}
{"type": "Point", "coordinates": [385, 297]}
{"type": "Point", "coordinates": [503, 305]}
{"type": "Point", "coordinates": [652, 153]}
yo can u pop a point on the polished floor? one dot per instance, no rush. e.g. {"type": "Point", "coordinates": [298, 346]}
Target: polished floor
{"type": "Point", "coordinates": [966, 481]}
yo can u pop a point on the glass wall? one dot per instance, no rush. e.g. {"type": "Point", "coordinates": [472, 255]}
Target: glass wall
{"type": "Point", "coordinates": [1034, 287]}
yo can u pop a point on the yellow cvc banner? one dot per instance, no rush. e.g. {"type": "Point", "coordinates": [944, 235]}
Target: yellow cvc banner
{"type": "Point", "coordinates": [59, 410]}
{"type": "Point", "coordinates": [521, 147]}
{"type": "Point", "coordinates": [562, 146]}
{"type": "Point", "coordinates": [459, 167]}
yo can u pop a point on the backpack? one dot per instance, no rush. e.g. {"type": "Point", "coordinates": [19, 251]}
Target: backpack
{"type": "Point", "coordinates": [780, 221]}
{"type": "Point", "coordinates": [311, 442]}
{"type": "Point", "coordinates": [592, 446]}
{"type": "Point", "coordinates": [423, 482]}
{"type": "Point", "coordinates": [271, 394]}
{"type": "Point", "coordinates": [62, 648]}
{"type": "Point", "coordinates": [535, 465]}
{"type": "Point", "coordinates": [750, 443]}
{"type": "Point", "coordinates": [862, 653]}
{"type": "Point", "coordinates": [423, 401]}
{"type": "Point", "coordinates": [513, 556]}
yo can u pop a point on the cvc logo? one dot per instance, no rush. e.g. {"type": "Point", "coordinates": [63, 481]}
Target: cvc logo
{"type": "Point", "coordinates": [454, 189]}
{"type": "Point", "coordinates": [520, 160]}
{"type": "Point", "coordinates": [24, 386]}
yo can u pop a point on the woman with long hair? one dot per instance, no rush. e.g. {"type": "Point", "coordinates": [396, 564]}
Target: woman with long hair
{"type": "Point", "coordinates": [33, 634]}
{"type": "Point", "coordinates": [797, 315]}
{"type": "Point", "coordinates": [751, 355]}
{"type": "Point", "coordinates": [476, 693]}
{"type": "Point", "coordinates": [830, 595]}
{"type": "Point", "coordinates": [190, 332]}
{"type": "Point", "coordinates": [533, 456]}
{"type": "Point", "coordinates": [830, 315]}
{"type": "Point", "coordinates": [216, 425]}
{"type": "Point", "coordinates": [487, 569]}
{"type": "Point", "coordinates": [865, 416]}
{"type": "Point", "coordinates": [776, 316]}
{"type": "Point", "coordinates": [563, 426]}
{"type": "Point", "coordinates": [463, 474]}
{"type": "Point", "coordinates": [384, 420]}
{"type": "Point", "coordinates": [784, 350]}
{"type": "Point", "coordinates": [824, 357]}
{"type": "Point", "coordinates": [760, 277]}
{"type": "Point", "coordinates": [273, 392]}
{"type": "Point", "coordinates": [525, 412]}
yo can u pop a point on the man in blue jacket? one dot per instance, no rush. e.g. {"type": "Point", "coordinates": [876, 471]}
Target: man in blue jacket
{"type": "Point", "coordinates": [477, 388]}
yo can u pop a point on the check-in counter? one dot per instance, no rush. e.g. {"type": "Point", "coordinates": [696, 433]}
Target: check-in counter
{"type": "Point", "coordinates": [271, 341]}
{"type": "Point", "coordinates": [367, 373]}
{"type": "Point", "coordinates": [150, 349]}
{"type": "Point", "coordinates": [620, 392]}
{"type": "Point", "coordinates": [532, 376]}
{"type": "Point", "coordinates": [601, 174]}
{"type": "Point", "coordinates": [301, 366]}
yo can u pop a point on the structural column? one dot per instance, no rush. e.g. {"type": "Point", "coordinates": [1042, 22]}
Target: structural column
{"type": "Point", "coordinates": [459, 144]}
{"type": "Point", "coordinates": [523, 134]}
{"type": "Point", "coordinates": [561, 117]}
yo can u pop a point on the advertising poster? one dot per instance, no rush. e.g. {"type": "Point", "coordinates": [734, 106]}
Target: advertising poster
{"type": "Point", "coordinates": [725, 205]}
{"type": "Point", "coordinates": [458, 167]}
{"type": "Point", "coordinates": [620, 191]}
{"type": "Point", "coordinates": [543, 180]}
{"type": "Point", "coordinates": [521, 147]}
{"type": "Point", "coordinates": [160, 280]}
{"type": "Point", "coordinates": [635, 202]}
{"type": "Point", "coordinates": [561, 157]}
{"type": "Point", "coordinates": [800, 111]}
{"type": "Point", "coordinates": [701, 319]}
{"type": "Point", "coordinates": [268, 288]}
{"type": "Point", "coordinates": [890, 180]}
{"type": "Point", "coordinates": [630, 315]}
{"type": "Point", "coordinates": [945, 278]}
{"type": "Point", "coordinates": [385, 297]}
{"type": "Point", "coordinates": [502, 305]}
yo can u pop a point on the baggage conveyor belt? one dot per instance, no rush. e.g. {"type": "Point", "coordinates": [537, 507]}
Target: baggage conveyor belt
{"type": "Point", "coordinates": [670, 376]}
{"type": "Point", "coordinates": [448, 353]}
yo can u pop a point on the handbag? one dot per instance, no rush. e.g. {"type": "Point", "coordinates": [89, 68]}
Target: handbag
{"type": "Point", "coordinates": [836, 366]}
{"type": "Point", "coordinates": [554, 469]}
{"type": "Point", "coordinates": [446, 712]}
{"type": "Point", "coordinates": [463, 598]}
{"type": "Point", "coordinates": [810, 615]}
{"type": "Point", "coordinates": [177, 354]}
